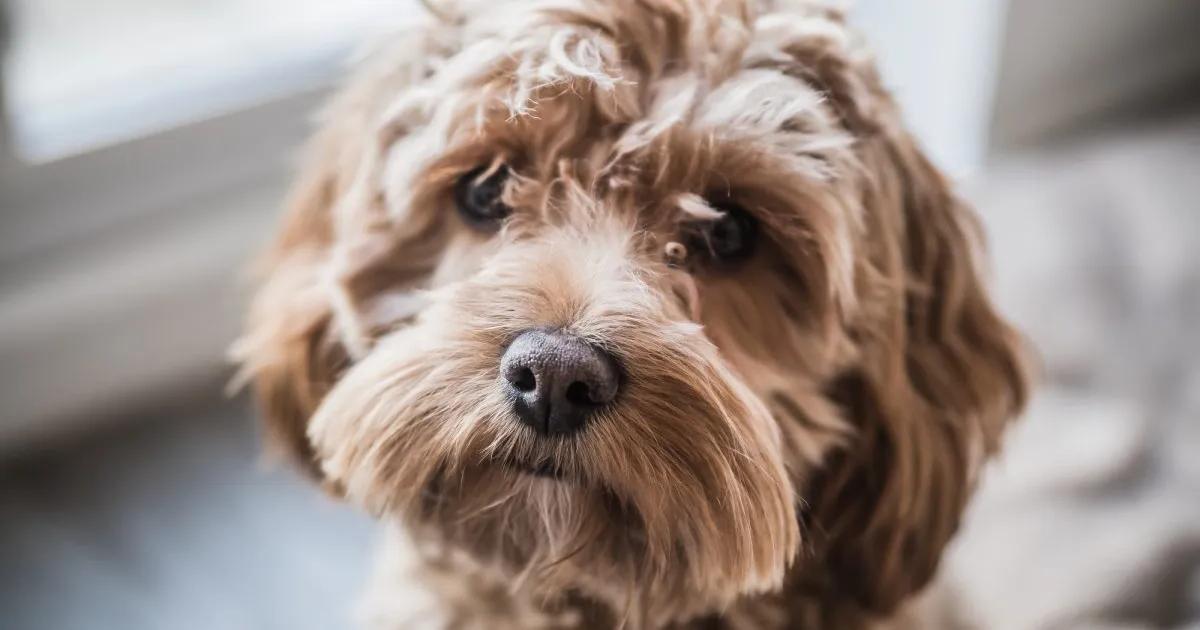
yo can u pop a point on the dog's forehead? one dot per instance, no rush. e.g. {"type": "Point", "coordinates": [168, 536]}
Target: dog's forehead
{"type": "Point", "coordinates": [751, 104]}
{"type": "Point", "coordinates": [651, 69]}
{"type": "Point", "coordinates": [631, 89]}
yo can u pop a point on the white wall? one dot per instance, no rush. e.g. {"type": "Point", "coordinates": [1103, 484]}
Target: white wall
{"type": "Point", "coordinates": [939, 57]}
{"type": "Point", "coordinates": [1069, 63]}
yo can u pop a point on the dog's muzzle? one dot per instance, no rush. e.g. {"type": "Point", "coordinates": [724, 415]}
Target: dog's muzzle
{"type": "Point", "coordinates": [557, 381]}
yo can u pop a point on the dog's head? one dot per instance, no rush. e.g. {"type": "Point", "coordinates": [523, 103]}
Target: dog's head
{"type": "Point", "coordinates": [646, 302]}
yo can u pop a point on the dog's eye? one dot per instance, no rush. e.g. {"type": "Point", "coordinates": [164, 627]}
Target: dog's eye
{"type": "Point", "coordinates": [478, 195]}
{"type": "Point", "coordinates": [730, 238]}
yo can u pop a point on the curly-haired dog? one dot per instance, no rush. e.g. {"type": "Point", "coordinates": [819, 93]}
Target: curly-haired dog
{"type": "Point", "coordinates": [644, 313]}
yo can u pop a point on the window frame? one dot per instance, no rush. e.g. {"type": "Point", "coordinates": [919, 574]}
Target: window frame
{"type": "Point", "coordinates": [122, 267]}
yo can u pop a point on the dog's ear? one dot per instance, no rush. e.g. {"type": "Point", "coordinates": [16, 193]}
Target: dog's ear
{"type": "Point", "coordinates": [938, 377]}
{"type": "Point", "coordinates": [288, 350]}
{"type": "Point", "coordinates": [938, 373]}
{"type": "Point", "coordinates": [295, 346]}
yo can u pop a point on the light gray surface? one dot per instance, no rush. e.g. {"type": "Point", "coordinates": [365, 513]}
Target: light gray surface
{"type": "Point", "coordinates": [174, 525]}
{"type": "Point", "coordinates": [1091, 518]}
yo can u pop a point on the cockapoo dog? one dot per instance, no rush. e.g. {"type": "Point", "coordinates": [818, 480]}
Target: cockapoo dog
{"type": "Point", "coordinates": [634, 313]}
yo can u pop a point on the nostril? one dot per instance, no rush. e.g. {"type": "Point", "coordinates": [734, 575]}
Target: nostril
{"type": "Point", "coordinates": [578, 393]}
{"type": "Point", "coordinates": [524, 380]}
{"type": "Point", "coordinates": [556, 381]}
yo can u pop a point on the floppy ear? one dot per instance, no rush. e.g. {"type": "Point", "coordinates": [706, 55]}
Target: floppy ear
{"type": "Point", "coordinates": [940, 375]}
{"type": "Point", "coordinates": [333, 249]}
{"type": "Point", "coordinates": [287, 349]}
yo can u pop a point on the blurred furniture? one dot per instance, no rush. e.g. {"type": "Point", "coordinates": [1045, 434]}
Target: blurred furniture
{"type": "Point", "coordinates": [1068, 65]}
{"type": "Point", "coordinates": [5, 35]}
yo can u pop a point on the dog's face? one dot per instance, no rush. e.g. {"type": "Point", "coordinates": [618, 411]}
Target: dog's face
{"type": "Point", "coordinates": [640, 302]}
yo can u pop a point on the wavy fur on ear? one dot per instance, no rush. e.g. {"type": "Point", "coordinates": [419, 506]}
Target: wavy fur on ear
{"type": "Point", "coordinates": [288, 351]}
{"type": "Point", "coordinates": [937, 374]}
{"type": "Point", "coordinates": [297, 341]}
{"type": "Point", "coordinates": [939, 377]}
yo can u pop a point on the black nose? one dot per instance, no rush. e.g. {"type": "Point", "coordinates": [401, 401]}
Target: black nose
{"type": "Point", "coordinates": [557, 380]}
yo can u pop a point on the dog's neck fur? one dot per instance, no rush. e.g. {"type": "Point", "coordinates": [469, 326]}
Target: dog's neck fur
{"type": "Point", "coordinates": [465, 596]}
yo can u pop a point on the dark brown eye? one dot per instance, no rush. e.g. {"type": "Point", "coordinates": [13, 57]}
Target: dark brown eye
{"type": "Point", "coordinates": [478, 195]}
{"type": "Point", "coordinates": [729, 238]}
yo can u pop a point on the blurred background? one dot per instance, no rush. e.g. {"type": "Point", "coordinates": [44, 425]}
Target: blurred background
{"type": "Point", "coordinates": [145, 146]}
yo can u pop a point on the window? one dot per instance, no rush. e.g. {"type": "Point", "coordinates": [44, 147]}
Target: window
{"type": "Point", "coordinates": [152, 142]}
{"type": "Point", "coordinates": [87, 73]}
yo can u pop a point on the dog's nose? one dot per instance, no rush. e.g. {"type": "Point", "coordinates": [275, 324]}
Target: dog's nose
{"type": "Point", "coordinates": [557, 380]}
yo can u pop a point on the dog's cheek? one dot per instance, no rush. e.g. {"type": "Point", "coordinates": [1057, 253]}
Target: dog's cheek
{"type": "Point", "coordinates": [397, 418]}
{"type": "Point", "coordinates": [700, 458]}
{"type": "Point", "coordinates": [766, 512]}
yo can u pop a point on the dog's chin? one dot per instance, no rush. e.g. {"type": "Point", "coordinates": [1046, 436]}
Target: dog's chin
{"type": "Point", "coordinates": [545, 469]}
{"type": "Point", "coordinates": [555, 533]}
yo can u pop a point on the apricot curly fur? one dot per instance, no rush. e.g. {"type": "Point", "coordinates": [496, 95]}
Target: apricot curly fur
{"type": "Point", "coordinates": [796, 437]}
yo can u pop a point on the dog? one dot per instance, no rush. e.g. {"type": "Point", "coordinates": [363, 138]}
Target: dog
{"type": "Point", "coordinates": [634, 313]}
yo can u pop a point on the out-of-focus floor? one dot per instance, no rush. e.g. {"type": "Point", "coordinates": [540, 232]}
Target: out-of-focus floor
{"type": "Point", "coordinates": [1090, 520]}
{"type": "Point", "coordinates": [174, 523]}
